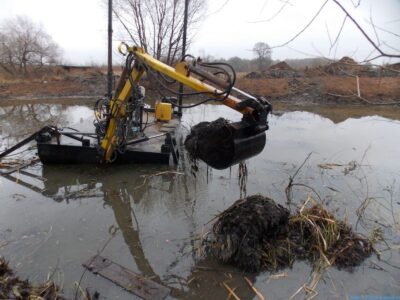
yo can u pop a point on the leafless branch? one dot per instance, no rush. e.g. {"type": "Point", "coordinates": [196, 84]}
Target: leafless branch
{"type": "Point", "coordinates": [219, 9]}
{"type": "Point", "coordinates": [304, 28]}
{"type": "Point", "coordinates": [384, 30]}
{"type": "Point", "coordinates": [339, 33]}
{"type": "Point", "coordinates": [126, 27]}
{"type": "Point", "coordinates": [288, 189]}
{"type": "Point", "coordinates": [285, 3]}
{"type": "Point", "coordinates": [374, 27]}
{"type": "Point", "coordinates": [391, 47]}
{"type": "Point", "coordinates": [157, 25]}
{"type": "Point", "coordinates": [381, 52]}
{"type": "Point", "coordinates": [329, 35]}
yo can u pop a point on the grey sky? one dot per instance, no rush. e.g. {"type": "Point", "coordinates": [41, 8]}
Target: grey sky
{"type": "Point", "coordinates": [230, 28]}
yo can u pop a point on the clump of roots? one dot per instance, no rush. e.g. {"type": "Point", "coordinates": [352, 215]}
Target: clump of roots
{"type": "Point", "coordinates": [12, 287]}
{"type": "Point", "coordinates": [256, 233]}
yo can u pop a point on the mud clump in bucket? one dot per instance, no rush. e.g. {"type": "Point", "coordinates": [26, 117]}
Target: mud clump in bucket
{"type": "Point", "coordinates": [210, 142]}
{"type": "Point", "coordinates": [255, 233]}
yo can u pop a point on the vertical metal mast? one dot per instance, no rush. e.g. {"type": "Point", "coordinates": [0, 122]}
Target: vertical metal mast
{"type": "Point", "coordinates": [185, 20]}
{"type": "Point", "coordinates": [109, 72]}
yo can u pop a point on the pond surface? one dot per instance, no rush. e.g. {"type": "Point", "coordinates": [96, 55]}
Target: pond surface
{"type": "Point", "coordinates": [53, 218]}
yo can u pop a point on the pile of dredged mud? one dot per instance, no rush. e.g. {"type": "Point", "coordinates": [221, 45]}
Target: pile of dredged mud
{"type": "Point", "coordinates": [255, 233]}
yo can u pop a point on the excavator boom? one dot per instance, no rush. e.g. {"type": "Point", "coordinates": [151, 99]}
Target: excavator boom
{"type": "Point", "coordinates": [246, 138]}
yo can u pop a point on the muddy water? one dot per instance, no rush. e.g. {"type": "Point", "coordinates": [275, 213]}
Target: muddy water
{"type": "Point", "coordinates": [148, 218]}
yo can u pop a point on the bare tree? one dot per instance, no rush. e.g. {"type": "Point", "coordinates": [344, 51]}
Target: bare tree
{"type": "Point", "coordinates": [382, 49]}
{"type": "Point", "coordinates": [157, 25]}
{"type": "Point", "coordinates": [24, 43]}
{"type": "Point", "coordinates": [263, 53]}
{"type": "Point", "coordinates": [376, 45]}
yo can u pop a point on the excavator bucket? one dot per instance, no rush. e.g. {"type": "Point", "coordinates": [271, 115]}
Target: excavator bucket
{"type": "Point", "coordinates": [221, 144]}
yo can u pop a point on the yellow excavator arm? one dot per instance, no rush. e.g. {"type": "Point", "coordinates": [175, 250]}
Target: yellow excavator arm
{"type": "Point", "coordinates": [254, 109]}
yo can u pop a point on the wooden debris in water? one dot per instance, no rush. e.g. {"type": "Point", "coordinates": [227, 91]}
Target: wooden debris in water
{"type": "Point", "coordinates": [349, 167]}
{"type": "Point", "coordinates": [259, 295]}
{"type": "Point", "coordinates": [231, 291]}
{"type": "Point", "coordinates": [143, 287]}
{"type": "Point", "coordinates": [277, 276]}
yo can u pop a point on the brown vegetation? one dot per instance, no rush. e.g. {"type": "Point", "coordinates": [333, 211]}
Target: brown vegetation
{"type": "Point", "coordinates": [12, 287]}
{"type": "Point", "coordinates": [53, 83]}
{"type": "Point", "coordinates": [325, 89]}
{"type": "Point", "coordinates": [272, 87]}
{"type": "Point", "coordinates": [370, 87]}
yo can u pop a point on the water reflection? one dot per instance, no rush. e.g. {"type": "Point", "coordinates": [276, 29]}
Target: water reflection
{"type": "Point", "coordinates": [19, 121]}
{"type": "Point", "coordinates": [132, 202]}
{"type": "Point", "coordinates": [340, 113]}
{"type": "Point", "coordinates": [160, 211]}
{"type": "Point", "coordinates": [24, 119]}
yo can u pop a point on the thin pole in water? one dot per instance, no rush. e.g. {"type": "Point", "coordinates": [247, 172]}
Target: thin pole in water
{"type": "Point", "coordinates": [109, 72]}
{"type": "Point", "coordinates": [185, 20]}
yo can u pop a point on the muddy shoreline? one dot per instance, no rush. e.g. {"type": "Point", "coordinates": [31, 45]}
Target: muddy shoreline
{"type": "Point", "coordinates": [298, 91]}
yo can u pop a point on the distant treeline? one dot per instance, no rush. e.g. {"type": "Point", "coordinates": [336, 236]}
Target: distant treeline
{"type": "Point", "coordinates": [251, 65]}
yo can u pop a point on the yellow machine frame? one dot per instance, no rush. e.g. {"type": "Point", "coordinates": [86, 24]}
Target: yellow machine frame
{"type": "Point", "coordinates": [180, 73]}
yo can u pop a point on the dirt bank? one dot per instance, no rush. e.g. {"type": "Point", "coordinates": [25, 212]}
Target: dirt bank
{"type": "Point", "coordinates": [299, 90]}
{"type": "Point", "coordinates": [89, 84]}
{"type": "Point", "coordinates": [326, 89]}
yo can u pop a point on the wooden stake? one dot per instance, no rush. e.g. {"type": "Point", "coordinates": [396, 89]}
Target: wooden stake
{"type": "Point", "coordinates": [231, 292]}
{"type": "Point", "coordinates": [358, 86]}
{"type": "Point", "coordinates": [259, 295]}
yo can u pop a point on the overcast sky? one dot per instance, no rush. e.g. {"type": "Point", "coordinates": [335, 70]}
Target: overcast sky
{"type": "Point", "coordinates": [230, 28]}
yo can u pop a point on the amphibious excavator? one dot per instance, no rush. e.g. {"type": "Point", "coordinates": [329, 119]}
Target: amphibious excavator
{"type": "Point", "coordinates": [119, 121]}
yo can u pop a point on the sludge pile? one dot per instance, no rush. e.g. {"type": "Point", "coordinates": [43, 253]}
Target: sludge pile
{"type": "Point", "coordinates": [255, 233]}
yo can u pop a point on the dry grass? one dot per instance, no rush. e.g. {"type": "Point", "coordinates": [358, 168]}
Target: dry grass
{"type": "Point", "coordinates": [91, 84]}
{"type": "Point", "coordinates": [12, 287]}
{"type": "Point", "coordinates": [371, 88]}
{"type": "Point", "coordinates": [266, 87]}
{"type": "Point", "coordinates": [374, 89]}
